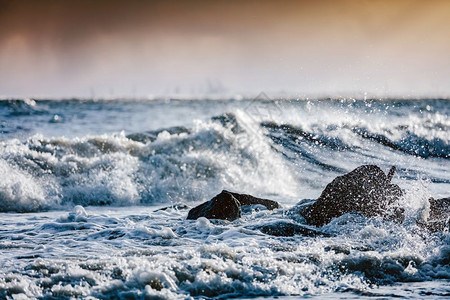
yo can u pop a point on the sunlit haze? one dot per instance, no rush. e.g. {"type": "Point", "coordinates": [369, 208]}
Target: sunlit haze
{"type": "Point", "coordinates": [224, 48]}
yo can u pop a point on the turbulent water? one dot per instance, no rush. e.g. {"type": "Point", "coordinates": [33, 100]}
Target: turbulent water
{"type": "Point", "coordinates": [83, 183]}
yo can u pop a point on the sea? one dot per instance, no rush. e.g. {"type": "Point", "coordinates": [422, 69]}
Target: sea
{"type": "Point", "coordinates": [94, 195]}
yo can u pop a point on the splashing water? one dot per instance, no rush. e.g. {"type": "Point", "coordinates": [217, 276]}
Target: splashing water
{"type": "Point", "coordinates": [80, 198]}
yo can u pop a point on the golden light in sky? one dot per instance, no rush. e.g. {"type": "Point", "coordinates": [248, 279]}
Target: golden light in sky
{"type": "Point", "coordinates": [298, 48]}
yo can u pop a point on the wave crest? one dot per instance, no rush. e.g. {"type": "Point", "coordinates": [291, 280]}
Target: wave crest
{"type": "Point", "coordinates": [152, 167]}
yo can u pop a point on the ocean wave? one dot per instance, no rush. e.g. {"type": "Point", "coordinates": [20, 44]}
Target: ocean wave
{"type": "Point", "coordinates": [410, 143]}
{"type": "Point", "coordinates": [164, 166]}
{"type": "Point", "coordinates": [24, 107]}
{"type": "Point", "coordinates": [233, 151]}
{"type": "Point", "coordinates": [298, 140]}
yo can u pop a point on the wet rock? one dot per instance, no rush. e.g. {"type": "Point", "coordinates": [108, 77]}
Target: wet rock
{"type": "Point", "coordinates": [439, 209]}
{"type": "Point", "coordinates": [223, 206]}
{"type": "Point", "coordinates": [439, 217]}
{"type": "Point", "coordinates": [367, 189]}
{"type": "Point", "coordinates": [227, 206]}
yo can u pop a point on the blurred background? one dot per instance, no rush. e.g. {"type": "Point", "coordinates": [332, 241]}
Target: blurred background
{"type": "Point", "coordinates": [145, 49]}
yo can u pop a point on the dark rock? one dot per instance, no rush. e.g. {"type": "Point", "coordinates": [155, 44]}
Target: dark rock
{"type": "Point", "coordinates": [285, 228]}
{"type": "Point", "coordinates": [366, 189]}
{"type": "Point", "coordinates": [227, 206]}
{"type": "Point", "coordinates": [223, 206]}
{"type": "Point", "coordinates": [439, 217]}
{"type": "Point", "coordinates": [439, 209]}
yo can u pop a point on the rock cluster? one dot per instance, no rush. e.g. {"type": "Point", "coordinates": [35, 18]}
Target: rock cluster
{"type": "Point", "coordinates": [367, 190]}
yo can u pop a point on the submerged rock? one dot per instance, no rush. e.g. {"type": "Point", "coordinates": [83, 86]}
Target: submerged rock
{"type": "Point", "coordinates": [176, 206]}
{"type": "Point", "coordinates": [227, 206]}
{"type": "Point", "coordinates": [285, 228]}
{"type": "Point", "coordinates": [367, 189]}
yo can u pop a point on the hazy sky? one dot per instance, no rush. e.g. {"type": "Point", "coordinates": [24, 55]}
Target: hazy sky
{"type": "Point", "coordinates": [137, 48]}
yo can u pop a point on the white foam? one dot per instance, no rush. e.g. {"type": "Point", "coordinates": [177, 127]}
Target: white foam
{"type": "Point", "coordinates": [21, 191]}
{"type": "Point", "coordinates": [138, 253]}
